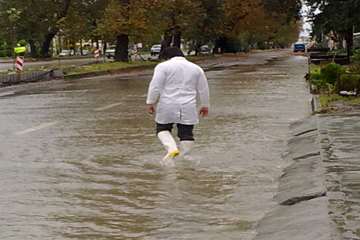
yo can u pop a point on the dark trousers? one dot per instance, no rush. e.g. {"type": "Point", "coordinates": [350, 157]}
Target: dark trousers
{"type": "Point", "coordinates": [185, 132]}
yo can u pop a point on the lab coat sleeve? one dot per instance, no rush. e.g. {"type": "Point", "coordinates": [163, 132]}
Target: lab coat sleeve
{"type": "Point", "coordinates": [156, 85]}
{"type": "Point", "coordinates": [203, 90]}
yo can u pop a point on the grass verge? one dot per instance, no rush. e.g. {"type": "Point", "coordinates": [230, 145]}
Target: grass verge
{"type": "Point", "coordinates": [328, 100]}
{"type": "Point", "coordinates": [105, 68]}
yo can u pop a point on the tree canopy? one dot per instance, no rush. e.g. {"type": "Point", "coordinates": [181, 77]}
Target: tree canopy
{"type": "Point", "coordinates": [338, 17]}
{"type": "Point", "coordinates": [220, 23]}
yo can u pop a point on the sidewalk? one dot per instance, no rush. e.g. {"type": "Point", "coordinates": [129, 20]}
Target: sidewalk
{"type": "Point", "coordinates": [340, 135]}
{"type": "Point", "coordinates": [319, 192]}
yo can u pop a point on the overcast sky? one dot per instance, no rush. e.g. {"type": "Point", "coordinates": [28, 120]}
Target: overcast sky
{"type": "Point", "coordinates": [307, 26]}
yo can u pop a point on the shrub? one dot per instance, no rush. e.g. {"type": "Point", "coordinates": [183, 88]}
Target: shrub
{"type": "Point", "coordinates": [5, 53]}
{"type": "Point", "coordinates": [348, 82]}
{"type": "Point", "coordinates": [331, 72]}
{"type": "Point", "coordinates": [356, 56]}
{"type": "Point", "coordinates": [324, 79]}
{"type": "Point", "coordinates": [354, 68]}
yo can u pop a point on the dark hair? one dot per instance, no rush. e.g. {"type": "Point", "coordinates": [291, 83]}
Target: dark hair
{"type": "Point", "coordinates": [171, 52]}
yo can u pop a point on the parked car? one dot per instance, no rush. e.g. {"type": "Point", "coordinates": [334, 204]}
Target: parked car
{"type": "Point", "coordinates": [155, 50]}
{"type": "Point", "coordinates": [205, 50]}
{"type": "Point", "coordinates": [66, 53]}
{"type": "Point", "coordinates": [110, 53]}
{"type": "Point", "coordinates": [85, 52]}
{"type": "Point", "coordinates": [299, 47]}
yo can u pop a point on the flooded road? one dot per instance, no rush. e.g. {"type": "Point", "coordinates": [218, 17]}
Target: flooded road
{"type": "Point", "coordinates": [80, 160]}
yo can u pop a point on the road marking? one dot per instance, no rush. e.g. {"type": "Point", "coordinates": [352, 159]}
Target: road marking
{"type": "Point", "coordinates": [37, 128]}
{"type": "Point", "coordinates": [4, 94]}
{"type": "Point", "coordinates": [107, 107]}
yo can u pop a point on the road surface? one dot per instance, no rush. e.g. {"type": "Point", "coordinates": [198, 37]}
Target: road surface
{"type": "Point", "coordinates": [80, 160]}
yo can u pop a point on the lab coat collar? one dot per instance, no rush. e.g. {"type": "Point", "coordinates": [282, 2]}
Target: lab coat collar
{"type": "Point", "coordinates": [178, 58]}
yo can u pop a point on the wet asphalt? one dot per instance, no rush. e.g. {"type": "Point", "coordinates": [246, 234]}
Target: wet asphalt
{"type": "Point", "coordinates": [80, 160]}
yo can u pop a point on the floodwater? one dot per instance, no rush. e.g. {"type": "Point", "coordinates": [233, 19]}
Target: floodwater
{"type": "Point", "coordinates": [79, 159]}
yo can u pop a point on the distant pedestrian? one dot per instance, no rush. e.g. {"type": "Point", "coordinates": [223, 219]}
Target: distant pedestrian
{"type": "Point", "coordinates": [173, 92]}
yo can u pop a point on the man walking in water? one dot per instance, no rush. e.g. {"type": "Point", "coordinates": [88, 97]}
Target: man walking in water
{"type": "Point", "coordinates": [176, 86]}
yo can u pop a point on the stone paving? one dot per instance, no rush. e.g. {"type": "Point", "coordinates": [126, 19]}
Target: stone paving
{"type": "Point", "coordinates": [319, 192]}
{"type": "Point", "coordinates": [340, 140]}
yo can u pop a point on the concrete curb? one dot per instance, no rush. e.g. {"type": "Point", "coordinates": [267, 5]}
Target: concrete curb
{"type": "Point", "coordinates": [315, 103]}
{"type": "Point", "coordinates": [302, 213]}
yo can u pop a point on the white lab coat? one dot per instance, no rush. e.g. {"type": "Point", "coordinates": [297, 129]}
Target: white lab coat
{"type": "Point", "coordinates": [176, 86]}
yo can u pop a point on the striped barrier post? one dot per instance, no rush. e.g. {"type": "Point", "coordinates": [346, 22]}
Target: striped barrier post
{"type": "Point", "coordinates": [97, 54]}
{"type": "Point", "coordinates": [19, 64]}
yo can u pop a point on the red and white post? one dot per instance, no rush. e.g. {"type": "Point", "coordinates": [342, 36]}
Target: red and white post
{"type": "Point", "coordinates": [97, 54]}
{"type": "Point", "coordinates": [19, 64]}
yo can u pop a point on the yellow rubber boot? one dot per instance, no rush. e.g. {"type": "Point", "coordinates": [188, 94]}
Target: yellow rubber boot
{"type": "Point", "coordinates": [170, 145]}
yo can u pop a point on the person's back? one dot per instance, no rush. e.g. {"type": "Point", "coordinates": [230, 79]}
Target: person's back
{"type": "Point", "coordinates": [181, 80]}
{"type": "Point", "coordinates": [175, 88]}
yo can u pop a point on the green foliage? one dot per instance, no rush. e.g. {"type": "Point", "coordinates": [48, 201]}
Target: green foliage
{"type": "Point", "coordinates": [325, 78]}
{"type": "Point", "coordinates": [331, 72]}
{"type": "Point", "coordinates": [328, 99]}
{"type": "Point", "coordinates": [5, 49]}
{"type": "Point", "coordinates": [106, 67]}
{"type": "Point", "coordinates": [354, 68]}
{"type": "Point", "coordinates": [248, 23]}
{"type": "Point", "coordinates": [356, 56]}
{"type": "Point", "coordinates": [348, 82]}
{"type": "Point", "coordinates": [335, 17]}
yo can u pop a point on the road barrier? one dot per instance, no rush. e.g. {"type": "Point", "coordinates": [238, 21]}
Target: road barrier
{"type": "Point", "coordinates": [97, 53]}
{"type": "Point", "coordinates": [19, 64]}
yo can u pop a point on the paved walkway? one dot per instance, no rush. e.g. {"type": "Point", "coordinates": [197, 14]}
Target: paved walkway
{"type": "Point", "coordinates": [319, 192]}
{"type": "Point", "coordinates": [341, 154]}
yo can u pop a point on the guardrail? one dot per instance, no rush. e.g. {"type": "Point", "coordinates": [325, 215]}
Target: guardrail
{"type": "Point", "coordinates": [7, 79]}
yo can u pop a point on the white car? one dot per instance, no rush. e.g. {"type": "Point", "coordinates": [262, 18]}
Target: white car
{"type": "Point", "coordinates": [205, 50]}
{"type": "Point", "coordinates": [110, 53]}
{"type": "Point", "coordinates": [65, 53]}
{"type": "Point", "coordinates": [155, 50]}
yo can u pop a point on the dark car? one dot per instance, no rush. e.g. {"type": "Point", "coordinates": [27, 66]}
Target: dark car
{"type": "Point", "coordinates": [299, 47]}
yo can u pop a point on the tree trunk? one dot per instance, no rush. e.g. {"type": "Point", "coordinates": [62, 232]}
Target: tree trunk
{"type": "Point", "coordinates": [81, 47]}
{"type": "Point", "coordinates": [45, 48]}
{"type": "Point", "coordinates": [54, 30]}
{"type": "Point", "coordinates": [176, 41]}
{"type": "Point", "coordinates": [122, 40]}
{"type": "Point", "coordinates": [220, 44]}
{"type": "Point", "coordinates": [121, 50]}
{"type": "Point", "coordinates": [172, 38]}
{"type": "Point", "coordinates": [33, 49]}
{"type": "Point", "coordinates": [349, 38]}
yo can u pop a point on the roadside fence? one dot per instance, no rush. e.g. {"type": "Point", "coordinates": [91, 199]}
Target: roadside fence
{"type": "Point", "coordinates": [7, 79]}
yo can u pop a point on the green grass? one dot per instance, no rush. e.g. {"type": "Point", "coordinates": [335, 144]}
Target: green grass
{"type": "Point", "coordinates": [327, 100]}
{"type": "Point", "coordinates": [315, 68]}
{"type": "Point", "coordinates": [106, 67]}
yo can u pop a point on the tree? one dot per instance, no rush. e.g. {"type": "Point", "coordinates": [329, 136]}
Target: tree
{"type": "Point", "coordinates": [207, 26]}
{"type": "Point", "coordinates": [124, 20]}
{"type": "Point", "coordinates": [39, 20]}
{"type": "Point", "coordinates": [336, 16]}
